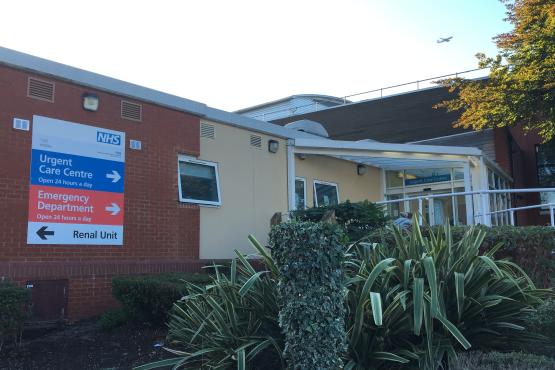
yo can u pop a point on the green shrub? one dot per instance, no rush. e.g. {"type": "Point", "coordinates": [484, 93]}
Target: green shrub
{"type": "Point", "coordinates": [358, 218]}
{"type": "Point", "coordinates": [542, 321]}
{"type": "Point", "coordinates": [230, 323]}
{"type": "Point", "coordinates": [312, 293]}
{"type": "Point", "coordinates": [530, 247]}
{"type": "Point", "coordinates": [150, 297]}
{"type": "Point", "coordinates": [476, 360]}
{"type": "Point", "coordinates": [113, 318]}
{"type": "Point", "coordinates": [414, 303]}
{"type": "Point", "coordinates": [438, 295]}
{"type": "Point", "coordinates": [14, 311]}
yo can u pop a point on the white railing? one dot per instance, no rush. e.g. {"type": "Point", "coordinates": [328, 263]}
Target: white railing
{"type": "Point", "coordinates": [476, 217]}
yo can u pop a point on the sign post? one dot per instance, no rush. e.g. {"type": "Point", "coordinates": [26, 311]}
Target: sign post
{"type": "Point", "coordinates": [76, 184]}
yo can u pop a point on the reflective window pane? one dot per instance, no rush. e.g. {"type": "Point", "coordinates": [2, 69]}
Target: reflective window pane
{"type": "Point", "coordinates": [394, 179]}
{"type": "Point", "coordinates": [198, 182]}
{"type": "Point", "coordinates": [325, 194]}
{"type": "Point", "coordinates": [427, 176]}
{"type": "Point", "coordinates": [300, 194]}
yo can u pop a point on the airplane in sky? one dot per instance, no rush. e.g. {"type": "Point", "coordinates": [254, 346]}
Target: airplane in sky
{"type": "Point", "coordinates": [444, 39]}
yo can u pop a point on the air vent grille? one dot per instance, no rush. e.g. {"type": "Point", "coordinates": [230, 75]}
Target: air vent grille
{"type": "Point", "coordinates": [132, 111]}
{"type": "Point", "coordinates": [256, 141]}
{"type": "Point", "coordinates": [207, 131]}
{"type": "Point", "coordinates": [40, 89]}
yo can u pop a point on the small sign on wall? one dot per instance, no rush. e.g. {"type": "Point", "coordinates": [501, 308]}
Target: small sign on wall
{"type": "Point", "coordinates": [76, 189]}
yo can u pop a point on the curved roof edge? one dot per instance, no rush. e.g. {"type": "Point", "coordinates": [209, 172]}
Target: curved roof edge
{"type": "Point", "coordinates": [318, 97]}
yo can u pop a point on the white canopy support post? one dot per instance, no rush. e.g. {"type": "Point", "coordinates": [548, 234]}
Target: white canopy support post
{"type": "Point", "coordinates": [468, 198]}
{"type": "Point", "coordinates": [420, 212]}
{"type": "Point", "coordinates": [552, 216]}
{"type": "Point", "coordinates": [291, 175]}
{"type": "Point", "coordinates": [431, 218]}
{"type": "Point", "coordinates": [484, 197]}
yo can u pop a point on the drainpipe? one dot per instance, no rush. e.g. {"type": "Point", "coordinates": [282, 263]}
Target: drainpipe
{"type": "Point", "coordinates": [291, 174]}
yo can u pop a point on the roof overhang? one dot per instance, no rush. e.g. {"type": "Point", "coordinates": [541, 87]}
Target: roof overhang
{"type": "Point", "coordinates": [389, 156]}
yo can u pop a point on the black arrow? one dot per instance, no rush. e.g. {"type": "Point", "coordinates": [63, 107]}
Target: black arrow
{"type": "Point", "coordinates": [42, 232]}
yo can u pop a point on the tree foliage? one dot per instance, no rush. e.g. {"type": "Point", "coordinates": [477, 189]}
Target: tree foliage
{"type": "Point", "coordinates": [520, 89]}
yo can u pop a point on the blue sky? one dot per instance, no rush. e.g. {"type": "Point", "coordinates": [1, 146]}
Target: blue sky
{"type": "Point", "coordinates": [234, 54]}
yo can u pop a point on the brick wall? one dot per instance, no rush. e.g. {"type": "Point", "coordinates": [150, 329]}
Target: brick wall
{"type": "Point", "coordinates": [160, 233]}
{"type": "Point", "coordinates": [525, 173]}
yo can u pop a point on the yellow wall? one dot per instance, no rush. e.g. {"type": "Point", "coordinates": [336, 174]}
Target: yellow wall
{"type": "Point", "coordinates": [253, 186]}
{"type": "Point", "coordinates": [344, 173]}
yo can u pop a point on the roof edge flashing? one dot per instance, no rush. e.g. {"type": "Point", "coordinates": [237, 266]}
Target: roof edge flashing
{"type": "Point", "coordinates": [22, 61]}
{"type": "Point", "coordinates": [388, 147]}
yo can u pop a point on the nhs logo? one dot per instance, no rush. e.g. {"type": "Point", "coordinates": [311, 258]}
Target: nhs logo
{"type": "Point", "coordinates": [108, 138]}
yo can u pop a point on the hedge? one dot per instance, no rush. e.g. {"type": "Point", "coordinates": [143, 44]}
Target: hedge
{"type": "Point", "coordinates": [477, 360]}
{"type": "Point", "coordinates": [150, 297]}
{"type": "Point", "coordinates": [312, 293]}
{"type": "Point", "coordinates": [15, 309]}
{"type": "Point", "coordinates": [358, 219]}
{"type": "Point", "coordinates": [530, 247]}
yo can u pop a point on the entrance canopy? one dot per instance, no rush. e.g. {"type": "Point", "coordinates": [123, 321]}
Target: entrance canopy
{"type": "Point", "coordinates": [390, 156]}
{"type": "Point", "coordinates": [407, 170]}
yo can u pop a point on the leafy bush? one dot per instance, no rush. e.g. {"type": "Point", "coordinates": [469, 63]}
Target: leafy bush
{"type": "Point", "coordinates": [413, 303]}
{"type": "Point", "coordinates": [476, 360]}
{"type": "Point", "coordinates": [230, 323]}
{"type": "Point", "coordinates": [150, 297]}
{"type": "Point", "coordinates": [113, 318]}
{"type": "Point", "coordinates": [530, 247]}
{"type": "Point", "coordinates": [542, 321]}
{"type": "Point", "coordinates": [433, 296]}
{"type": "Point", "coordinates": [312, 291]}
{"type": "Point", "coordinates": [14, 311]}
{"type": "Point", "coordinates": [358, 218]}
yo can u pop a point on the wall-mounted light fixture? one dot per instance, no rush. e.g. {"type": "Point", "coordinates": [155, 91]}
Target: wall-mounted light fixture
{"type": "Point", "coordinates": [361, 169]}
{"type": "Point", "coordinates": [301, 156]}
{"type": "Point", "coordinates": [90, 102]}
{"type": "Point", "coordinates": [273, 146]}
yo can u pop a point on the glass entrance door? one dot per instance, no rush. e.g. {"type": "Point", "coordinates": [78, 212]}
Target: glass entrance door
{"type": "Point", "coordinates": [438, 211]}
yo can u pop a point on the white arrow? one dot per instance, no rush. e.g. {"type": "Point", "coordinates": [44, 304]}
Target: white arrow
{"type": "Point", "coordinates": [115, 176]}
{"type": "Point", "coordinates": [113, 208]}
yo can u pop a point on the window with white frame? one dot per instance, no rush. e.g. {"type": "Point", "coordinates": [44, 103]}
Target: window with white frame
{"type": "Point", "coordinates": [198, 181]}
{"type": "Point", "coordinates": [300, 193]}
{"type": "Point", "coordinates": [325, 194]}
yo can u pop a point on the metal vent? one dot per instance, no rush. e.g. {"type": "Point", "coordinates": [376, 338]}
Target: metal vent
{"type": "Point", "coordinates": [207, 130]}
{"type": "Point", "coordinates": [21, 124]}
{"type": "Point", "coordinates": [40, 89]}
{"type": "Point", "coordinates": [256, 141]}
{"type": "Point", "coordinates": [132, 111]}
{"type": "Point", "coordinates": [135, 144]}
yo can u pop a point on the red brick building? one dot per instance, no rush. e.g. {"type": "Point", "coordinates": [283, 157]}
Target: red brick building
{"type": "Point", "coordinates": [162, 230]}
{"type": "Point", "coordinates": [164, 233]}
{"type": "Point", "coordinates": [239, 172]}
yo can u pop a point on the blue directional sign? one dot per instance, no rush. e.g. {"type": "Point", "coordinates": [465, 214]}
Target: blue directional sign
{"type": "Point", "coordinates": [75, 171]}
{"type": "Point", "coordinates": [77, 182]}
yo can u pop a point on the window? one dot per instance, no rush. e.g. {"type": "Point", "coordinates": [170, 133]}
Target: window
{"type": "Point", "coordinates": [198, 181]}
{"type": "Point", "coordinates": [545, 162]}
{"type": "Point", "coordinates": [300, 193]}
{"type": "Point", "coordinates": [325, 194]}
